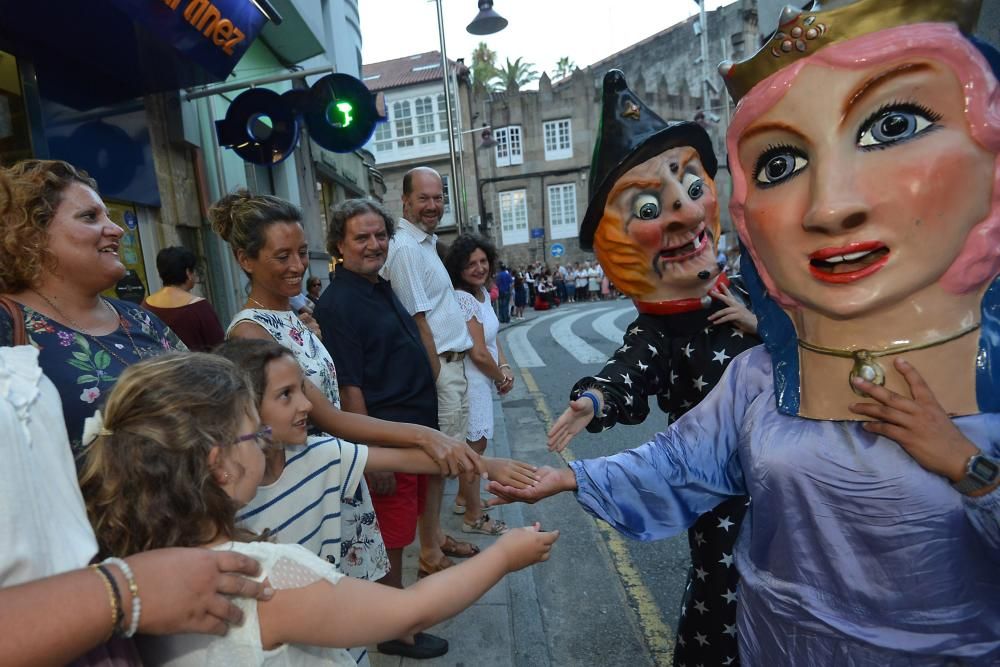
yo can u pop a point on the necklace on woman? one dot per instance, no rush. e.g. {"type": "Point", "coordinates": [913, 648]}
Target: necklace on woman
{"type": "Point", "coordinates": [297, 331]}
{"type": "Point", "coordinates": [78, 328]}
{"type": "Point", "coordinates": [865, 366]}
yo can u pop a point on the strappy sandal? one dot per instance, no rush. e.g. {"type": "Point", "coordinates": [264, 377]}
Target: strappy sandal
{"type": "Point", "coordinates": [424, 569]}
{"type": "Point", "coordinates": [456, 549]}
{"type": "Point", "coordinates": [496, 527]}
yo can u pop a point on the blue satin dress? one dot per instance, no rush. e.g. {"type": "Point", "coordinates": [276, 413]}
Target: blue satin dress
{"type": "Point", "coordinates": [851, 553]}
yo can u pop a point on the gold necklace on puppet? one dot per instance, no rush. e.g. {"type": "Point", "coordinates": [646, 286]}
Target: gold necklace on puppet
{"type": "Point", "coordinates": [865, 366]}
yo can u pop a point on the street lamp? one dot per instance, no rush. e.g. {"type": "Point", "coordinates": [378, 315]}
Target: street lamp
{"type": "Point", "coordinates": [486, 22]}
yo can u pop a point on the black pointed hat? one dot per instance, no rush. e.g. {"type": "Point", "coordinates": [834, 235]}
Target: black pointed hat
{"type": "Point", "coordinates": [628, 135]}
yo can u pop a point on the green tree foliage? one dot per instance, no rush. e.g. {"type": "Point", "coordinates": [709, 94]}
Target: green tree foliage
{"type": "Point", "coordinates": [564, 67]}
{"type": "Point", "coordinates": [515, 74]}
{"type": "Point", "coordinates": [484, 67]}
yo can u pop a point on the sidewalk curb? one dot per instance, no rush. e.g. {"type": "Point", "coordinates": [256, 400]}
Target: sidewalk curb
{"type": "Point", "coordinates": [527, 626]}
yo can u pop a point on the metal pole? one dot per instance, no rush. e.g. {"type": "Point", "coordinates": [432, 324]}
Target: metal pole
{"type": "Point", "coordinates": [250, 83]}
{"type": "Point", "coordinates": [704, 59]}
{"type": "Point", "coordinates": [453, 184]}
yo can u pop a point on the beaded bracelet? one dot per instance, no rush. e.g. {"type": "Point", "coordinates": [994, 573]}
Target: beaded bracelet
{"type": "Point", "coordinates": [594, 400]}
{"type": "Point", "coordinates": [114, 597]}
{"type": "Point", "coordinates": [133, 589]}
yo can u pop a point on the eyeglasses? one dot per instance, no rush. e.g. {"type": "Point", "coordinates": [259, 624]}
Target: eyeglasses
{"type": "Point", "coordinates": [262, 436]}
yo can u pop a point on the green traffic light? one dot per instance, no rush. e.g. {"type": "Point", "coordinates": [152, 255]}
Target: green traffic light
{"type": "Point", "coordinates": [345, 118]}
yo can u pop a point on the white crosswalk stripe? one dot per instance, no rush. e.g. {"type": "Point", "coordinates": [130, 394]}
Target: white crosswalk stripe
{"type": "Point", "coordinates": [520, 349]}
{"type": "Point", "coordinates": [584, 352]}
{"type": "Point", "coordinates": [560, 324]}
{"type": "Point", "coordinates": [605, 324]}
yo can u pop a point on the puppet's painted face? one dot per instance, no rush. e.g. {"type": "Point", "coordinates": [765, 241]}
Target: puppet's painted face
{"type": "Point", "coordinates": [664, 212]}
{"type": "Point", "coordinates": [863, 184]}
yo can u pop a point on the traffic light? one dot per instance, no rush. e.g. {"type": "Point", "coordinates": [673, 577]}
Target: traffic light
{"type": "Point", "coordinates": [340, 113]}
{"type": "Point", "coordinates": [262, 127]}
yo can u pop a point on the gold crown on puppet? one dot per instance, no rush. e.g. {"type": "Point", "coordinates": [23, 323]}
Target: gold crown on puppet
{"type": "Point", "coordinates": [804, 31]}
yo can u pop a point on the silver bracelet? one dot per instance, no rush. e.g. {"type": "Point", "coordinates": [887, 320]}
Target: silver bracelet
{"type": "Point", "coordinates": [133, 589]}
{"type": "Point", "coordinates": [503, 366]}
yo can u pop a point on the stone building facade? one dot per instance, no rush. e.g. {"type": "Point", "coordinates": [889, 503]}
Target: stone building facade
{"type": "Point", "coordinates": [533, 202]}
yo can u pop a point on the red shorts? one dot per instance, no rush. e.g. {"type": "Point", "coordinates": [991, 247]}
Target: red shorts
{"type": "Point", "coordinates": [397, 514]}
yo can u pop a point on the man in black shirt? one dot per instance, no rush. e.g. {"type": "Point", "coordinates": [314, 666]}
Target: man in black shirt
{"type": "Point", "coordinates": [383, 371]}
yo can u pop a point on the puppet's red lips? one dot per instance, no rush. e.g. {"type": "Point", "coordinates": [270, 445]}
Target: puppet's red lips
{"type": "Point", "coordinates": [687, 250]}
{"type": "Point", "coordinates": [848, 263]}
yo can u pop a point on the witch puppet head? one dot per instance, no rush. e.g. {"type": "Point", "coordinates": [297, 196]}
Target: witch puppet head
{"type": "Point", "coordinates": [653, 216]}
{"type": "Point", "coordinates": [864, 156]}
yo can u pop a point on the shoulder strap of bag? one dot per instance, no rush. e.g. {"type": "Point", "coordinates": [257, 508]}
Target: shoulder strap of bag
{"type": "Point", "coordinates": [20, 334]}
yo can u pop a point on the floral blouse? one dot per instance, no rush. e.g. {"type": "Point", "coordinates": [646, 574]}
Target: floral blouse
{"type": "Point", "coordinates": [309, 351]}
{"type": "Point", "coordinates": [83, 367]}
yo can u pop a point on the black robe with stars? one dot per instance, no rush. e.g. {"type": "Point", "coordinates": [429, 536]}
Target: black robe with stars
{"type": "Point", "coordinates": [679, 358]}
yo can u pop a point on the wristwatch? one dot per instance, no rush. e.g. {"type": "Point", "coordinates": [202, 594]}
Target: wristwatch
{"type": "Point", "coordinates": [980, 473]}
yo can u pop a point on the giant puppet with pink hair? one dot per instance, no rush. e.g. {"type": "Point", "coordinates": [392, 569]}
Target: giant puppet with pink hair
{"type": "Point", "coordinates": [864, 154]}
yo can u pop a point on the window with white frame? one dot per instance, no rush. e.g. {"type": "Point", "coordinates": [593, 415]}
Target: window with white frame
{"type": "Point", "coordinates": [558, 136]}
{"type": "Point", "coordinates": [443, 117]}
{"type": "Point", "coordinates": [423, 113]}
{"type": "Point", "coordinates": [402, 123]}
{"type": "Point", "coordinates": [509, 149]}
{"type": "Point", "coordinates": [562, 210]}
{"type": "Point", "coordinates": [383, 136]}
{"type": "Point", "coordinates": [514, 216]}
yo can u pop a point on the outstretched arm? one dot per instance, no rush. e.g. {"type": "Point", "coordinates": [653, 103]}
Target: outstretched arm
{"type": "Point", "coordinates": [316, 615]}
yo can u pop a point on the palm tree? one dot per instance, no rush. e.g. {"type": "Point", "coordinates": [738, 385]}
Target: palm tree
{"type": "Point", "coordinates": [515, 74]}
{"type": "Point", "coordinates": [484, 67]}
{"type": "Point", "coordinates": [564, 67]}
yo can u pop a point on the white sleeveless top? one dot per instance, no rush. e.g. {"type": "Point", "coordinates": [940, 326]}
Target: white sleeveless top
{"type": "Point", "coordinates": [285, 566]}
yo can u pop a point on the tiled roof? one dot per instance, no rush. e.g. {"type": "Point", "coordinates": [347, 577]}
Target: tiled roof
{"type": "Point", "coordinates": [405, 71]}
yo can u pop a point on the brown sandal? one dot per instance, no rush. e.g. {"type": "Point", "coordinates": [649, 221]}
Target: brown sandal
{"type": "Point", "coordinates": [424, 569]}
{"type": "Point", "coordinates": [456, 549]}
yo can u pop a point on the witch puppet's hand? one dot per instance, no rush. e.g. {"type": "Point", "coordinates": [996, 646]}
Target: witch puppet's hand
{"type": "Point", "coordinates": [549, 482]}
{"type": "Point", "coordinates": [508, 472]}
{"type": "Point", "coordinates": [734, 312]}
{"type": "Point", "coordinates": [572, 421]}
{"type": "Point", "coordinates": [918, 423]}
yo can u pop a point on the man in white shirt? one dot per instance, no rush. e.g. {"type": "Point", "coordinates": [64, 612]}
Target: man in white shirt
{"type": "Point", "coordinates": [422, 284]}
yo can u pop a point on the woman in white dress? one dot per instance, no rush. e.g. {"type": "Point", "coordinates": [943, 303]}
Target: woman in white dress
{"type": "Point", "coordinates": [471, 262]}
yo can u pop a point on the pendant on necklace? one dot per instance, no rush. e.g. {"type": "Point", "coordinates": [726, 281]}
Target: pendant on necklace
{"type": "Point", "coordinates": [866, 368]}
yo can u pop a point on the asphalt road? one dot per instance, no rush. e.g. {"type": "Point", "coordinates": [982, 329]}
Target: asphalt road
{"type": "Point", "coordinates": [609, 600]}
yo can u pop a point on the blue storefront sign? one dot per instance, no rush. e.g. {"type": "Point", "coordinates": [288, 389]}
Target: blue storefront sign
{"type": "Point", "coordinates": [212, 33]}
{"type": "Point", "coordinates": [557, 250]}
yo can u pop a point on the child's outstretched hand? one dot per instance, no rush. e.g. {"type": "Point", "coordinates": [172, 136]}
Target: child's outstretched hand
{"type": "Point", "coordinates": [509, 472]}
{"type": "Point", "coordinates": [526, 546]}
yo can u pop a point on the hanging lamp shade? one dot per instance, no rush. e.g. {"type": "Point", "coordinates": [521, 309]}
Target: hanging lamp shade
{"type": "Point", "coordinates": [487, 21]}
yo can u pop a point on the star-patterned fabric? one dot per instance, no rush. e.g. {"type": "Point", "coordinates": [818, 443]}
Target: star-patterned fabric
{"type": "Point", "coordinates": [679, 358]}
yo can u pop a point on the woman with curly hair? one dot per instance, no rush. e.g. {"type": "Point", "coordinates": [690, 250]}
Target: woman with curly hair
{"type": "Point", "coordinates": [471, 263]}
{"type": "Point", "coordinates": [58, 252]}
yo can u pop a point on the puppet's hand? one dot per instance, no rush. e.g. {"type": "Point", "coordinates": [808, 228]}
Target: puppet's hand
{"type": "Point", "coordinates": [734, 312]}
{"type": "Point", "coordinates": [919, 424]}
{"type": "Point", "coordinates": [572, 421]}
